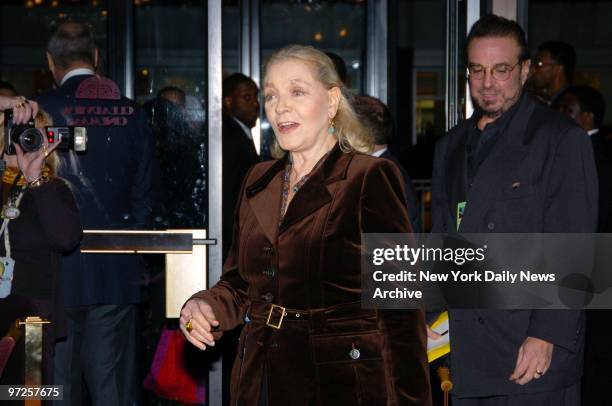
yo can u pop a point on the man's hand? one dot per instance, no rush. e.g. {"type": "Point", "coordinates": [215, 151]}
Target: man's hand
{"type": "Point", "coordinates": [23, 109]}
{"type": "Point", "coordinates": [533, 360]}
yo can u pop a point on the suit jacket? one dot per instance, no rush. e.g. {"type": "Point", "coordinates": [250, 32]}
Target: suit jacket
{"type": "Point", "coordinates": [412, 199]}
{"type": "Point", "coordinates": [239, 155]}
{"type": "Point", "coordinates": [111, 182]}
{"type": "Point", "coordinates": [310, 263]}
{"type": "Point", "coordinates": [553, 161]}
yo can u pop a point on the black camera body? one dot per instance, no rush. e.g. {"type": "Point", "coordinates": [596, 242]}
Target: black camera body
{"type": "Point", "coordinates": [26, 135]}
{"type": "Point", "coordinates": [30, 139]}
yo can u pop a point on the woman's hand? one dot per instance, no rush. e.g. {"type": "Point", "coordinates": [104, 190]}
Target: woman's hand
{"type": "Point", "coordinates": [23, 109]}
{"type": "Point", "coordinates": [31, 163]}
{"type": "Point", "coordinates": [202, 320]}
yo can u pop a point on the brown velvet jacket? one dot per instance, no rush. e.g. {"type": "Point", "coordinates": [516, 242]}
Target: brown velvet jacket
{"type": "Point", "coordinates": [327, 351]}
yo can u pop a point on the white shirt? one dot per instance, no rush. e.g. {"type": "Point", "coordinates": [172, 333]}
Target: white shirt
{"type": "Point", "coordinates": [379, 152]}
{"type": "Point", "coordinates": [593, 131]}
{"type": "Point", "coordinates": [77, 72]}
{"type": "Point", "coordinates": [246, 129]}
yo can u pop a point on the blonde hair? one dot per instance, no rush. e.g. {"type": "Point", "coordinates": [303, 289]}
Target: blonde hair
{"type": "Point", "coordinates": [349, 131]}
{"type": "Point", "coordinates": [42, 119]}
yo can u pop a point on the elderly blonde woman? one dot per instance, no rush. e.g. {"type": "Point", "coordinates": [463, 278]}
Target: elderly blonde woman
{"type": "Point", "coordinates": [39, 221]}
{"type": "Point", "coordinates": [293, 273]}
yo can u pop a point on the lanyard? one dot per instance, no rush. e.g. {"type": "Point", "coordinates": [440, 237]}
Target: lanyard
{"type": "Point", "coordinates": [12, 207]}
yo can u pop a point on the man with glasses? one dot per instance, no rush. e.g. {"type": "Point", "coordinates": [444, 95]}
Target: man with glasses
{"type": "Point", "coordinates": [552, 70]}
{"type": "Point", "coordinates": [515, 166]}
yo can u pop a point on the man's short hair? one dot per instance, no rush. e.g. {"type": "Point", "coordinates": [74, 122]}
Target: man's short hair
{"type": "Point", "coordinates": [492, 26]}
{"type": "Point", "coordinates": [590, 101]}
{"type": "Point", "coordinates": [378, 125]}
{"type": "Point", "coordinates": [563, 54]}
{"type": "Point", "coordinates": [234, 80]}
{"type": "Point", "coordinates": [72, 42]}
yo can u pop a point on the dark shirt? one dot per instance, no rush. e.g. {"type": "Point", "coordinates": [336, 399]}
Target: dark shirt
{"type": "Point", "coordinates": [480, 143]}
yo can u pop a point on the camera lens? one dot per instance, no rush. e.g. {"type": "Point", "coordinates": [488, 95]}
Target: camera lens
{"type": "Point", "coordinates": [29, 139]}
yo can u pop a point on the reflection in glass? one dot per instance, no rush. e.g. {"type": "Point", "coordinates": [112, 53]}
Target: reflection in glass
{"type": "Point", "coordinates": [231, 31]}
{"type": "Point", "coordinates": [24, 31]}
{"type": "Point", "coordinates": [170, 82]}
{"type": "Point", "coordinates": [417, 45]}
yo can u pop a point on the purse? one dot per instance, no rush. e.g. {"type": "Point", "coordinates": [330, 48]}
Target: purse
{"type": "Point", "coordinates": [177, 372]}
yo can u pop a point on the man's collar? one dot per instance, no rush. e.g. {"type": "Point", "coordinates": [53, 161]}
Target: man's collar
{"type": "Point", "coordinates": [554, 97]}
{"type": "Point", "coordinates": [76, 72]}
{"type": "Point", "coordinates": [247, 130]}
{"type": "Point", "coordinates": [379, 152]}
{"type": "Point", "coordinates": [593, 131]}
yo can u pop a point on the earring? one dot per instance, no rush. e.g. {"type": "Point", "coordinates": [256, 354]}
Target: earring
{"type": "Point", "coordinates": [331, 129]}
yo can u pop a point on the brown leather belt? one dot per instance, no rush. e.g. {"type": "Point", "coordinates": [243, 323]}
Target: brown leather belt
{"type": "Point", "coordinates": [274, 315]}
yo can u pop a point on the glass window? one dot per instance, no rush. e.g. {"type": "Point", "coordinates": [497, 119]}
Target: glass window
{"type": "Point", "coordinates": [170, 81]}
{"type": "Point", "coordinates": [24, 30]}
{"type": "Point", "coordinates": [417, 69]}
{"type": "Point", "coordinates": [231, 31]}
{"type": "Point", "coordinates": [585, 26]}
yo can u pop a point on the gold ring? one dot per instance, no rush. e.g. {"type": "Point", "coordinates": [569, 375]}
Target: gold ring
{"type": "Point", "coordinates": [189, 326]}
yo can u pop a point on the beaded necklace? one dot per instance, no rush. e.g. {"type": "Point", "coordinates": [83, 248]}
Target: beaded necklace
{"type": "Point", "coordinates": [298, 185]}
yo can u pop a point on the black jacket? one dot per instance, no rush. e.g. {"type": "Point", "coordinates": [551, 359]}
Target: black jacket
{"type": "Point", "coordinates": [239, 155]}
{"type": "Point", "coordinates": [553, 161]}
{"type": "Point", "coordinates": [111, 181]}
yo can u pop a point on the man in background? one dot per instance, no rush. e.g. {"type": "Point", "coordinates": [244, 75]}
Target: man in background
{"type": "Point", "coordinates": [587, 107]}
{"type": "Point", "coordinates": [240, 114]}
{"type": "Point", "coordinates": [553, 70]}
{"type": "Point", "coordinates": [376, 117]}
{"type": "Point", "coordinates": [111, 181]}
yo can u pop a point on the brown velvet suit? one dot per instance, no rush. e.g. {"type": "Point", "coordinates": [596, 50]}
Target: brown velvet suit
{"type": "Point", "coordinates": [311, 262]}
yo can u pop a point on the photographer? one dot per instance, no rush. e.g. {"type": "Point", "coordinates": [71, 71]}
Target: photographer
{"type": "Point", "coordinates": [41, 221]}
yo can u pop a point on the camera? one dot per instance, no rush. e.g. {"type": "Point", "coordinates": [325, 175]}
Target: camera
{"type": "Point", "coordinates": [69, 137]}
{"type": "Point", "coordinates": [30, 139]}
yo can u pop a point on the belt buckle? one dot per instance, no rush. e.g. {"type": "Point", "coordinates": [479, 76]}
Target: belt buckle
{"type": "Point", "coordinates": [278, 324]}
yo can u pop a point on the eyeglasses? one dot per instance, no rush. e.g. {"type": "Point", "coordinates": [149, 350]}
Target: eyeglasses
{"type": "Point", "coordinates": [499, 72]}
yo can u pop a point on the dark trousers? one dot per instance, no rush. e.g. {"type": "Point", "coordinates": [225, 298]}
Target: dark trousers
{"type": "Point", "coordinates": [101, 352]}
{"type": "Point", "coordinates": [569, 396]}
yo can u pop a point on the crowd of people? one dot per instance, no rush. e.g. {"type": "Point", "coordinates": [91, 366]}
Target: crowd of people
{"type": "Point", "coordinates": [289, 298]}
